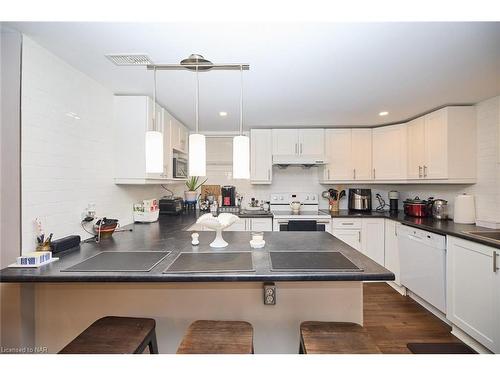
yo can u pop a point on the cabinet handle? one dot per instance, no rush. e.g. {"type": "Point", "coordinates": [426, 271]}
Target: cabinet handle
{"type": "Point", "coordinates": [296, 152]}
{"type": "Point", "coordinates": [301, 148]}
{"type": "Point", "coordinates": [347, 223]}
{"type": "Point", "coordinates": [359, 236]}
{"type": "Point", "coordinates": [328, 174]}
{"type": "Point", "coordinates": [395, 230]}
{"type": "Point", "coordinates": [425, 170]}
{"type": "Point", "coordinates": [495, 268]}
{"type": "Point", "coordinates": [269, 174]}
{"type": "Point", "coordinates": [374, 173]}
{"type": "Point", "coordinates": [354, 173]}
{"type": "Point", "coordinates": [419, 171]}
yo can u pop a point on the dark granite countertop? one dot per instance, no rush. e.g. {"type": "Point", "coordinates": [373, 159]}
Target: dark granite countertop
{"type": "Point", "coordinates": [169, 234]}
{"type": "Point", "coordinates": [444, 227]}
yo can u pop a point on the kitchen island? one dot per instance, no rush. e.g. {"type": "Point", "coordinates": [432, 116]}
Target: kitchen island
{"type": "Point", "coordinates": [67, 302]}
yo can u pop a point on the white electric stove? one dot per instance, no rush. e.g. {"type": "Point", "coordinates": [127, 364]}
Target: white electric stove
{"type": "Point", "coordinates": [308, 218]}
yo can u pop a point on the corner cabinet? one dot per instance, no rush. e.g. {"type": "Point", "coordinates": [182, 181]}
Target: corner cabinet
{"type": "Point", "coordinates": [473, 290]}
{"type": "Point", "coordinates": [261, 156]}
{"type": "Point", "coordinates": [442, 146]}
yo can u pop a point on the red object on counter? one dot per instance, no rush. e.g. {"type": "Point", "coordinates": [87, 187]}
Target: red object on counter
{"type": "Point", "coordinates": [417, 207]}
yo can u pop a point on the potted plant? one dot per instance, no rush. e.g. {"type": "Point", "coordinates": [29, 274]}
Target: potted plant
{"type": "Point", "coordinates": [192, 185]}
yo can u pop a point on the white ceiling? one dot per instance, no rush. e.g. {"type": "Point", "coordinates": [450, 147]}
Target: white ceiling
{"type": "Point", "coordinates": [300, 74]}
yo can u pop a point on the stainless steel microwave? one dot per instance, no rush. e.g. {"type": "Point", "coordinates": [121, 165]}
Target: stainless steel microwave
{"type": "Point", "coordinates": [180, 168]}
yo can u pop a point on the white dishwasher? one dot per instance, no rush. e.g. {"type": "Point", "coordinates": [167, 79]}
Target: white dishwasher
{"type": "Point", "coordinates": [422, 257]}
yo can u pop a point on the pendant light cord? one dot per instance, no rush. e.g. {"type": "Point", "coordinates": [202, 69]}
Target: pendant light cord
{"type": "Point", "coordinates": [241, 99]}
{"type": "Point", "coordinates": [197, 109]}
{"type": "Point", "coordinates": [154, 99]}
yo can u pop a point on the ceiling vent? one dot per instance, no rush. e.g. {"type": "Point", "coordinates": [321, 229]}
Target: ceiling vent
{"type": "Point", "coordinates": [130, 59]}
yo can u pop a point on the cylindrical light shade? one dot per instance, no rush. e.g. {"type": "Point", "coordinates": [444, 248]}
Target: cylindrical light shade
{"type": "Point", "coordinates": [197, 155]}
{"type": "Point", "coordinates": [154, 152]}
{"type": "Point", "coordinates": [241, 157]}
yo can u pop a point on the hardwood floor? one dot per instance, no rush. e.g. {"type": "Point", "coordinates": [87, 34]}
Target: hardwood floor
{"type": "Point", "coordinates": [393, 320]}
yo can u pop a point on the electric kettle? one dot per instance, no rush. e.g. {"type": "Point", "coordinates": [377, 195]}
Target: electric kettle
{"type": "Point", "coordinates": [440, 209]}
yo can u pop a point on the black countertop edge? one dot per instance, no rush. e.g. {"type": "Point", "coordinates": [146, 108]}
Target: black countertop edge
{"type": "Point", "coordinates": [443, 227]}
{"type": "Point", "coordinates": [197, 278]}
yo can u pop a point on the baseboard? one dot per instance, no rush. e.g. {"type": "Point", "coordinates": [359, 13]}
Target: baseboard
{"type": "Point", "coordinates": [428, 306]}
{"type": "Point", "coordinates": [398, 288]}
{"type": "Point", "coordinates": [467, 340]}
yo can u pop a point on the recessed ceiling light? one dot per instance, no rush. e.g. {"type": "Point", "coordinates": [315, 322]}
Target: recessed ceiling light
{"type": "Point", "coordinates": [222, 114]}
{"type": "Point", "coordinates": [383, 113]}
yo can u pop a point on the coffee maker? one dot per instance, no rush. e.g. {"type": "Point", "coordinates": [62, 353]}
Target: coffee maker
{"type": "Point", "coordinates": [360, 200]}
{"type": "Point", "coordinates": [228, 193]}
{"type": "Point", "coordinates": [393, 201]}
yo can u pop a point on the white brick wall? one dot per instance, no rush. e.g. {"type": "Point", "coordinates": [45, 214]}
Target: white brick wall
{"type": "Point", "coordinates": [67, 163]}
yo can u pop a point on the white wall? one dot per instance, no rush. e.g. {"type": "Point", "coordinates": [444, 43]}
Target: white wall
{"type": "Point", "coordinates": [486, 190]}
{"type": "Point", "coordinates": [67, 163]}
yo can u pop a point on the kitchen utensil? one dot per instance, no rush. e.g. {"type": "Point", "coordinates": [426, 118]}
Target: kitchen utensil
{"type": "Point", "coordinates": [295, 206]}
{"type": "Point", "coordinates": [440, 209]}
{"type": "Point", "coordinates": [326, 194]}
{"type": "Point", "coordinates": [334, 205]}
{"type": "Point", "coordinates": [465, 209]}
{"type": "Point", "coordinates": [417, 207]}
{"type": "Point", "coordinates": [360, 200]}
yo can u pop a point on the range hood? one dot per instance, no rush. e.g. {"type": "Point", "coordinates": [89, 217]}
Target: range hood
{"type": "Point", "coordinates": [284, 161]}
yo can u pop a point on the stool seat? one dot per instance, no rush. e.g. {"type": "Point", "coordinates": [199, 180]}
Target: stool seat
{"type": "Point", "coordinates": [115, 335]}
{"type": "Point", "coordinates": [217, 337]}
{"type": "Point", "coordinates": [335, 338]}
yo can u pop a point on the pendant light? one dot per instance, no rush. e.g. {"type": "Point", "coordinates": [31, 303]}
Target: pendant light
{"type": "Point", "coordinates": [154, 140]}
{"type": "Point", "coordinates": [241, 144]}
{"type": "Point", "coordinates": [197, 142]}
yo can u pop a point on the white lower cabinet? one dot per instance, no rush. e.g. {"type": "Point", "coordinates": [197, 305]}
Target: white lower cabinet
{"type": "Point", "coordinates": [261, 224]}
{"type": "Point", "coordinates": [391, 259]}
{"type": "Point", "coordinates": [239, 226]}
{"type": "Point", "coordinates": [372, 239]}
{"type": "Point", "coordinates": [365, 235]}
{"type": "Point", "coordinates": [473, 290]}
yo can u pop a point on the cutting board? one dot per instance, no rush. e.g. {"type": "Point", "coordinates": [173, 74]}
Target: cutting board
{"type": "Point", "coordinates": [210, 190]}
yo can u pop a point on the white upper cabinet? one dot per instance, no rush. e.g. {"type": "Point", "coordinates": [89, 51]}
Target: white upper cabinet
{"type": "Point", "coordinates": [473, 290]}
{"type": "Point", "coordinates": [261, 157]}
{"type": "Point", "coordinates": [179, 136]}
{"type": "Point", "coordinates": [285, 142]}
{"type": "Point", "coordinates": [348, 154]}
{"type": "Point", "coordinates": [361, 153]}
{"type": "Point", "coordinates": [390, 152]}
{"type": "Point", "coordinates": [296, 145]}
{"type": "Point", "coordinates": [442, 145]}
{"type": "Point", "coordinates": [338, 155]}
{"type": "Point", "coordinates": [312, 143]}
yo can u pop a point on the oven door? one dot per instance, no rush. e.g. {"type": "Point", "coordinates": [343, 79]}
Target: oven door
{"type": "Point", "coordinates": [303, 225]}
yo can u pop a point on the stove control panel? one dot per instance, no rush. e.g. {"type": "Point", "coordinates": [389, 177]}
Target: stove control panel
{"type": "Point", "coordinates": [286, 198]}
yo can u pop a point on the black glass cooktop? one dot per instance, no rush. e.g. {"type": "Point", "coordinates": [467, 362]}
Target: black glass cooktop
{"type": "Point", "coordinates": [120, 261]}
{"type": "Point", "coordinates": [319, 261]}
{"type": "Point", "coordinates": [238, 261]}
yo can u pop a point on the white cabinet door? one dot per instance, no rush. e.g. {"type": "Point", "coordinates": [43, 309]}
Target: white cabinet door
{"type": "Point", "coordinates": [372, 239]}
{"type": "Point", "coordinates": [416, 148]}
{"type": "Point", "coordinates": [285, 142]}
{"type": "Point", "coordinates": [261, 157]}
{"type": "Point", "coordinates": [167, 145]}
{"type": "Point", "coordinates": [352, 237]}
{"type": "Point", "coordinates": [260, 224]}
{"type": "Point", "coordinates": [361, 153]}
{"type": "Point", "coordinates": [391, 259]}
{"type": "Point", "coordinates": [239, 226]}
{"type": "Point", "coordinates": [472, 288]}
{"type": "Point", "coordinates": [312, 143]}
{"type": "Point", "coordinates": [389, 152]}
{"type": "Point", "coordinates": [338, 151]}
{"type": "Point", "coordinates": [436, 145]}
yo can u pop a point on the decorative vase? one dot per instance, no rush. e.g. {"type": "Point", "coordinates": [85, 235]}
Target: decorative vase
{"type": "Point", "coordinates": [190, 196]}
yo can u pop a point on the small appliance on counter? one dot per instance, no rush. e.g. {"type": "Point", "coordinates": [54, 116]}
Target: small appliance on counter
{"type": "Point", "coordinates": [360, 200]}
{"type": "Point", "coordinates": [465, 209]}
{"type": "Point", "coordinates": [228, 193]}
{"type": "Point", "coordinates": [147, 211]}
{"type": "Point", "coordinates": [440, 209]}
{"type": "Point", "coordinates": [171, 205]}
{"type": "Point", "coordinates": [393, 201]}
{"type": "Point", "coordinates": [417, 207]}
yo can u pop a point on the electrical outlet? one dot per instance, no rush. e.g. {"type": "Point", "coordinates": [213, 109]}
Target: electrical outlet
{"type": "Point", "coordinates": [269, 294]}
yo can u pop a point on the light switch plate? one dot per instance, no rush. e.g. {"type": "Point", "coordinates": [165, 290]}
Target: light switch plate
{"type": "Point", "coordinates": [269, 294]}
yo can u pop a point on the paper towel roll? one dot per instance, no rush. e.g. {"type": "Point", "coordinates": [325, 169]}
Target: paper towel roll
{"type": "Point", "coordinates": [465, 209]}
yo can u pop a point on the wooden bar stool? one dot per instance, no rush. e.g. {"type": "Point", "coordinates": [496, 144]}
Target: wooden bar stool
{"type": "Point", "coordinates": [335, 338]}
{"type": "Point", "coordinates": [115, 335]}
{"type": "Point", "coordinates": [217, 337]}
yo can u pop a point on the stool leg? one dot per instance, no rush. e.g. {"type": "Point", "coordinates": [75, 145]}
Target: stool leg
{"type": "Point", "coordinates": [153, 345]}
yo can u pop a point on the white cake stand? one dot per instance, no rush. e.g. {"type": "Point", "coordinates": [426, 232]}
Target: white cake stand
{"type": "Point", "coordinates": [218, 223]}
